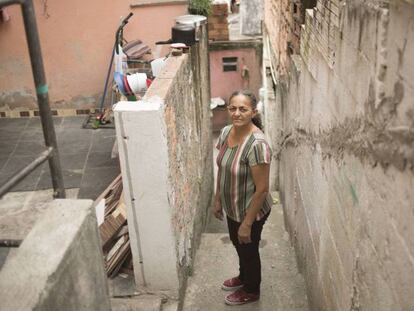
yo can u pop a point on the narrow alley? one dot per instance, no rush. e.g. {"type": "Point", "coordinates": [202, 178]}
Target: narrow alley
{"type": "Point", "coordinates": [283, 286]}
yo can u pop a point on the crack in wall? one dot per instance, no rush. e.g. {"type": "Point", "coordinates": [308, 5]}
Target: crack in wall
{"type": "Point", "coordinates": [361, 138]}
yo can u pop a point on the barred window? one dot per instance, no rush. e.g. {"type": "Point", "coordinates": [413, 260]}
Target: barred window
{"type": "Point", "coordinates": [229, 64]}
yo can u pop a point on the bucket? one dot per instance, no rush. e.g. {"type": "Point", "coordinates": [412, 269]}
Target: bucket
{"type": "Point", "coordinates": [156, 66]}
{"type": "Point", "coordinates": [137, 82]}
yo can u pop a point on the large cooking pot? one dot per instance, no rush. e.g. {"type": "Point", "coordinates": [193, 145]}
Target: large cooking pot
{"type": "Point", "coordinates": [181, 33]}
{"type": "Point", "coordinates": [193, 20]}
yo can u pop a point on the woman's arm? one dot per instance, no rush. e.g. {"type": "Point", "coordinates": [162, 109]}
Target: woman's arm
{"type": "Point", "coordinates": [217, 208]}
{"type": "Point", "coordinates": [260, 174]}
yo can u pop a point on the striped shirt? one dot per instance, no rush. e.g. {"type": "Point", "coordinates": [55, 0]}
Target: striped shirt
{"type": "Point", "coordinates": [234, 176]}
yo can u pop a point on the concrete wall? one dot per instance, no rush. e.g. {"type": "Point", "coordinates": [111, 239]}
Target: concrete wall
{"type": "Point", "coordinates": [59, 265]}
{"type": "Point", "coordinates": [76, 39]}
{"type": "Point", "coordinates": [251, 16]}
{"type": "Point", "coordinates": [248, 74]}
{"type": "Point", "coordinates": [166, 162]}
{"type": "Point", "coordinates": [346, 152]}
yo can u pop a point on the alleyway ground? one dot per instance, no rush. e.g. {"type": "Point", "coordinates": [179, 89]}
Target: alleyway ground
{"type": "Point", "coordinates": [85, 154]}
{"type": "Point", "coordinates": [283, 287]}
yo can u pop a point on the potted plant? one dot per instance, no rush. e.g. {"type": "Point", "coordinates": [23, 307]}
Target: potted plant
{"type": "Point", "coordinates": [200, 7]}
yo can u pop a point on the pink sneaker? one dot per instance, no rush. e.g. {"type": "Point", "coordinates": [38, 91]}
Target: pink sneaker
{"type": "Point", "coordinates": [240, 297]}
{"type": "Point", "coordinates": [232, 284]}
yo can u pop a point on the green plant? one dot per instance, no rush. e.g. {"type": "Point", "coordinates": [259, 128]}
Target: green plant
{"type": "Point", "coordinates": [200, 7]}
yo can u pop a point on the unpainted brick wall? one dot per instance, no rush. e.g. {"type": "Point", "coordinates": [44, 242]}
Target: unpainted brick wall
{"type": "Point", "coordinates": [218, 27]}
{"type": "Point", "coordinates": [347, 151]}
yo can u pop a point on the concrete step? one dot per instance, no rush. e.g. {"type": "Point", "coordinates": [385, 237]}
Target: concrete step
{"type": "Point", "coordinates": [283, 287]}
{"type": "Point", "coordinates": [170, 305]}
{"type": "Point", "coordinates": [139, 303]}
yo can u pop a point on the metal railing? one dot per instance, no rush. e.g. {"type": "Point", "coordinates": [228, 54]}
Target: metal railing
{"type": "Point", "coordinates": [42, 93]}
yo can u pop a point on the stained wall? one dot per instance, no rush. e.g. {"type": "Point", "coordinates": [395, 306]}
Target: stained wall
{"type": "Point", "coordinates": [76, 39]}
{"type": "Point", "coordinates": [345, 146]}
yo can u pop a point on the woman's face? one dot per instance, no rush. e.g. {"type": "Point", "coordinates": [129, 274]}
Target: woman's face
{"type": "Point", "coordinates": [241, 110]}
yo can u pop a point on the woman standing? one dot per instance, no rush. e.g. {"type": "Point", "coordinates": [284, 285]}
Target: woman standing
{"type": "Point", "coordinates": [242, 191]}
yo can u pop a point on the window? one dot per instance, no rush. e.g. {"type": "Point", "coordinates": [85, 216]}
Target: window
{"type": "Point", "coordinates": [229, 64]}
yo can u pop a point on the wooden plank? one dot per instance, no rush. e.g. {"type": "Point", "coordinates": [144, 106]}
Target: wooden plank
{"type": "Point", "coordinates": [105, 192]}
{"type": "Point", "coordinates": [118, 259]}
{"type": "Point", "coordinates": [113, 223]}
{"type": "Point", "coordinates": [114, 231]}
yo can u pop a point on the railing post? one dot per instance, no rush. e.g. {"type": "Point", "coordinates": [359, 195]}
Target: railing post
{"type": "Point", "coordinates": [42, 93]}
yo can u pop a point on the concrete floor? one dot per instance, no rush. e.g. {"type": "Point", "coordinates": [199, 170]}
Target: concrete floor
{"type": "Point", "coordinates": [85, 154]}
{"type": "Point", "coordinates": [283, 287]}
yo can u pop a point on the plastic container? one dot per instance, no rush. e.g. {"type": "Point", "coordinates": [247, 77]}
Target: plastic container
{"type": "Point", "coordinates": [157, 65]}
{"type": "Point", "coordinates": [137, 82]}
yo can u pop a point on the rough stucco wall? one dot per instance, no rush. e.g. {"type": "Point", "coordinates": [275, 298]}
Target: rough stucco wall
{"type": "Point", "coordinates": [187, 118]}
{"type": "Point", "coordinates": [347, 155]}
{"type": "Point", "coordinates": [76, 40]}
{"type": "Point", "coordinates": [201, 65]}
{"type": "Point", "coordinates": [272, 118]}
{"type": "Point", "coordinates": [184, 144]}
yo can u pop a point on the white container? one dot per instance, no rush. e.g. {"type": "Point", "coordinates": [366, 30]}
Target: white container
{"type": "Point", "coordinates": [137, 82]}
{"type": "Point", "coordinates": [157, 65]}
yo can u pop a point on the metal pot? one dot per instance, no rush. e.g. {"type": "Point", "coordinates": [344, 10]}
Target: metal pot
{"type": "Point", "coordinates": [193, 20]}
{"type": "Point", "coordinates": [182, 33]}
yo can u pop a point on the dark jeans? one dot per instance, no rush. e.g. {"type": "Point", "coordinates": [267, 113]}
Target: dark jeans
{"type": "Point", "coordinates": [249, 259]}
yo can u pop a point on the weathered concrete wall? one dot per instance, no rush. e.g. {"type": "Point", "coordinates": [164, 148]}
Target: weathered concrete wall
{"type": "Point", "coordinates": [166, 161]}
{"type": "Point", "coordinates": [251, 16]}
{"type": "Point", "coordinates": [272, 116]}
{"type": "Point", "coordinates": [248, 73]}
{"type": "Point", "coordinates": [59, 265]}
{"type": "Point", "coordinates": [347, 153]}
{"type": "Point", "coordinates": [76, 39]}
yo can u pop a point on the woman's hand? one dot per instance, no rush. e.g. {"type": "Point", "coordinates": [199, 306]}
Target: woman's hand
{"type": "Point", "coordinates": [244, 233]}
{"type": "Point", "coordinates": [218, 210]}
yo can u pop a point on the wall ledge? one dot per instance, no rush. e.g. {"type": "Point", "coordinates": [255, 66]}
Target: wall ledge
{"type": "Point", "coordinates": [231, 45]}
{"type": "Point", "coordinates": [145, 3]}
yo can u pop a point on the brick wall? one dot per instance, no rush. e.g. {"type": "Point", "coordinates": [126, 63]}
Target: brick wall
{"type": "Point", "coordinates": [218, 27]}
{"type": "Point", "coordinates": [283, 24]}
{"type": "Point", "coordinates": [345, 143]}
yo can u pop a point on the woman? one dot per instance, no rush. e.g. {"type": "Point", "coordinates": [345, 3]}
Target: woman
{"type": "Point", "coordinates": [242, 191]}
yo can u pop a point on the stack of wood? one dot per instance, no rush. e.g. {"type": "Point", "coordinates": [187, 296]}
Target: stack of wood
{"type": "Point", "coordinates": [218, 27]}
{"type": "Point", "coordinates": [114, 231]}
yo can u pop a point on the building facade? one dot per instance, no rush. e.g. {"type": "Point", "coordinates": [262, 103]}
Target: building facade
{"type": "Point", "coordinates": [76, 38]}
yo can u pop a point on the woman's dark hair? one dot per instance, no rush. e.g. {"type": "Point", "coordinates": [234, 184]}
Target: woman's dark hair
{"type": "Point", "coordinates": [256, 119]}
